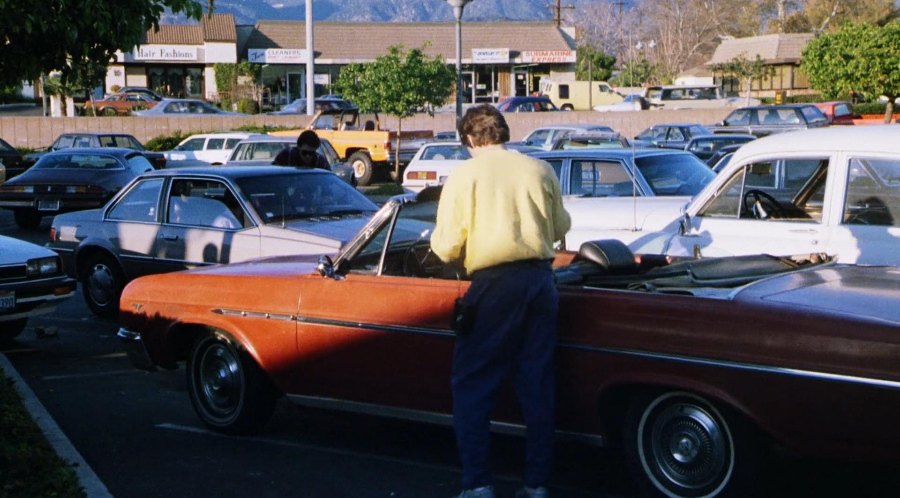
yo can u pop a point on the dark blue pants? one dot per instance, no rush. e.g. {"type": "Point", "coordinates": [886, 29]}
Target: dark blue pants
{"type": "Point", "coordinates": [513, 335]}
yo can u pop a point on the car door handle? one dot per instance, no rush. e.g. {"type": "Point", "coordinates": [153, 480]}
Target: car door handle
{"type": "Point", "coordinates": [170, 237]}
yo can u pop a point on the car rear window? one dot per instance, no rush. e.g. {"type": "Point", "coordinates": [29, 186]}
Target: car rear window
{"type": "Point", "coordinates": [79, 161]}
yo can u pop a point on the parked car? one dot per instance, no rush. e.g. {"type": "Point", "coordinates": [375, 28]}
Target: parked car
{"type": "Point", "coordinates": [833, 190]}
{"type": "Point", "coordinates": [838, 112]}
{"type": "Point", "coordinates": [706, 147]}
{"type": "Point", "coordinates": [544, 137]}
{"type": "Point", "coordinates": [261, 150]}
{"type": "Point", "coordinates": [184, 107]}
{"type": "Point", "coordinates": [88, 139]}
{"type": "Point", "coordinates": [633, 102]}
{"type": "Point", "coordinates": [768, 119]}
{"type": "Point", "coordinates": [622, 193]}
{"type": "Point", "coordinates": [298, 106]}
{"type": "Point", "coordinates": [432, 164]}
{"type": "Point", "coordinates": [591, 140]}
{"type": "Point", "coordinates": [12, 162]}
{"type": "Point", "coordinates": [527, 104]}
{"type": "Point", "coordinates": [670, 135]}
{"type": "Point", "coordinates": [171, 220]}
{"type": "Point", "coordinates": [70, 180]}
{"type": "Point", "coordinates": [693, 366]}
{"type": "Point", "coordinates": [722, 157]}
{"type": "Point", "coordinates": [32, 282]}
{"type": "Point", "coordinates": [208, 148]}
{"type": "Point", "coordinates": [142, 90]}
{"type": "Point", "coordinates": [693, 97]}
{"type": "Point", "coordinates": [120, 104]}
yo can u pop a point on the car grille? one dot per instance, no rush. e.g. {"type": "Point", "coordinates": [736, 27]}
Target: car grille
{"type": "Point", "coordinates": [12, 272]}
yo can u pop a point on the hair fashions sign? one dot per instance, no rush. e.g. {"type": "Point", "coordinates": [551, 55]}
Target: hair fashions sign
{"type": "Point", "coordinates": [165, 53]}
{"type": "Point", "coordinates": [548, 56]}
{"type": "Point", "coordinates": [490, 56]}
{"type": "Point", "coordinates": [277, 55]}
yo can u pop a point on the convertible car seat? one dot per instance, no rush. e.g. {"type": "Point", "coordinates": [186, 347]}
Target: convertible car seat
{"type": "Point", "coordinates": [596, 258]}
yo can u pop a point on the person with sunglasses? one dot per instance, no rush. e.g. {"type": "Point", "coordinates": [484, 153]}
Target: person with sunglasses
{"type": "Point", "coordinates": [305, 154]}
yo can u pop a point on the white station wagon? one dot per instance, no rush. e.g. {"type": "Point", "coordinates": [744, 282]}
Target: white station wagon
{"type": "Point", "coordinates": [210, 148]}
{"type": "Point", "coordinates": [829, 190]}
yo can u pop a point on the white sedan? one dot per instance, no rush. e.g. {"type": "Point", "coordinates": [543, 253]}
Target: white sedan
{"type": "Point", "coordinates": [432, 164]}
{"type": "Point", "coordinates": [833, 190]}
{"type": "Point", "coordinates": [210, 148]}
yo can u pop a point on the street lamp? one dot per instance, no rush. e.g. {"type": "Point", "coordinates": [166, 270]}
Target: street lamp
{"type": "Point", "coordinates": [458, 6]}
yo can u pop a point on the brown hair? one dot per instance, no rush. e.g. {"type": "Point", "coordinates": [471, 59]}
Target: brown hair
{"type": "Point", "coordinates": [484, 125]}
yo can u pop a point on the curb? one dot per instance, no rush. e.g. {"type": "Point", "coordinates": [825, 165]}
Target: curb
{"type": "Point", "coordinates": [93, 486]}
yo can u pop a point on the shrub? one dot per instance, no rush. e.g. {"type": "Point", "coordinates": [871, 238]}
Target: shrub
{"type": "Point", "coordinates": [248, 106]}
{"type": "Point", "coordinates": [165, 142]}
{"type": "Point", "coordinates": [870, 108]}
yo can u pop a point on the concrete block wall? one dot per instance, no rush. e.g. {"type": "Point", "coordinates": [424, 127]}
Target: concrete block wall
{"type": "Point", "coordinates": [35, 132]}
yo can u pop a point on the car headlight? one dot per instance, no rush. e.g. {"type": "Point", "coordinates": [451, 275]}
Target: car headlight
{"type": "Point", "coordinates": [43, 266]}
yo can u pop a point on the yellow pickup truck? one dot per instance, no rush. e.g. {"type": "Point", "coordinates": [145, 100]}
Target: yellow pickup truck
{"type": "Point", "coordinates": [367, 147]}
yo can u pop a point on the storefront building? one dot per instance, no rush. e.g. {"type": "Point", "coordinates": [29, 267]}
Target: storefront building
{"type": "Point", "coordinates": [782, 52]}
{"type": "Point", "coordinates": [178, 60]}
{"type": "Point", "coordinates": [498, 59]}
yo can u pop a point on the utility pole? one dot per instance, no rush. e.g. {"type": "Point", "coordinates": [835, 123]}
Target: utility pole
{"type": "Point", "coordinates": [558, 11]}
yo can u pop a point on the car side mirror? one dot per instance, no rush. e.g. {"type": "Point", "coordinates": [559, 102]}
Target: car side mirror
{"type": "Point", "coordinates": [684, 226]}
{"type": "Point", "coordinates": [326, 267]}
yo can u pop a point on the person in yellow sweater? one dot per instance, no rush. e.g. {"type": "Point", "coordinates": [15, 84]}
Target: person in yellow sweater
{"type": "Point", "coordinates": [500, 213]}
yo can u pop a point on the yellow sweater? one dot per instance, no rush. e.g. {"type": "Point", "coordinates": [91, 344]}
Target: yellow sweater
{"type": "Point", "coordinates": [498, 207]}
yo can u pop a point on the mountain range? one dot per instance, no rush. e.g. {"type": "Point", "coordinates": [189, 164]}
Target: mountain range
{"type": "Point", "coordinates": [250, 11]}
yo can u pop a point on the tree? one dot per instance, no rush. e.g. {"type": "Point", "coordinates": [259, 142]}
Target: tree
{"type": "Point", "coordinates": [64, 34]}
{"type": "Point", "coordinates": [856, 58]}
{"type": "Point", "coordinates": [399, 83]}
{"type": "Point", "coordinates": [745, 70]}
{"type": "Point", "coordinates": [593, 65]}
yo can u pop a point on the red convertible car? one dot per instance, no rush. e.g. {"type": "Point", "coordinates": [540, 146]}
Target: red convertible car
{"type": "Point", "coordinates": [689, 365]}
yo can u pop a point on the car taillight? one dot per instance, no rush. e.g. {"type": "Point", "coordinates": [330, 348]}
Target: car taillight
{"type": "Point", "coordinates": [421, 175]}
{"type": "Point", "coordinates": [84, 189]}
{"type": "Point", "coordinates": [387, 146]}
{"type": "Point", "coordinates": [53, 234]}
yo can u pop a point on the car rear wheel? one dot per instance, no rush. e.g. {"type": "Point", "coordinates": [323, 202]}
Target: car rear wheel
{"type": "Point", "coordinates": [228, 390]}
{"type": "Point", "coordinates": [679, 445]}
{"type": "Point", "coordinates": [108, 111]}
{"type": "Point", "coordinates": [27, 219]}
{"type": "Point", "coordinates": [9, 330]}
{"type": "Point", "coordinates": [363, 168]}
{"type": "Point", "coordinates": [101, 284]}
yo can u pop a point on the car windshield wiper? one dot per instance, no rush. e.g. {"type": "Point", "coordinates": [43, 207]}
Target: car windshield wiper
{"type": "Point", "coordinates": [342, 212]}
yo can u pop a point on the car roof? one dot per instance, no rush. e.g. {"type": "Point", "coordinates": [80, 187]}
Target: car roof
{"type": "Point", "coordinates": [572, 126]}
{"type": "Point", "coordinates": [234, 172]}
{"type": "Point", "coordinates": [94, 134]}
{"type": "Point", "coordinates": [223, 134]}
{"type": "Point", "coordinates": [271, 138]}
{"type": "Point", "coordinates": [625, 153]}
{"type": "Point", "coordinates": [722, 136]}
{"type": "Point", "coordinates": [775, 106]}
{"type": "Point", "coordinates": [677, 125]}
{"type": "Point", "coordinates": [871, 139]}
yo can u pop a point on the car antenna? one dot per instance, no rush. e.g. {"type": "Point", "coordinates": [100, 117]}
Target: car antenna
{"type": "Point", "coordinates": [634, 227]}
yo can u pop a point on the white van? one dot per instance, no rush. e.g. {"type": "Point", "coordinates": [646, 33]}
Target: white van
{"type": "Point", "coordinates": [691, 97]}
{"type": "Point", "coordinates": [211, 148]}
{"type": "Point", "coordinates": [573, 95]}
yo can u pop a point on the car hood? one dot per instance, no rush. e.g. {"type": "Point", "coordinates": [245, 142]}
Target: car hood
{"type": "Point", "coordinates": [339, 230]}
{"type": "Point", "coordinates": [14, 251]}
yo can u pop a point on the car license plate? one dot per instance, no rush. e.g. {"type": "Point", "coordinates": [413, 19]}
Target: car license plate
{"type": "Point", "coordinates": [48, 205]}
{"type": "Point", "coordinates": [7, 301]}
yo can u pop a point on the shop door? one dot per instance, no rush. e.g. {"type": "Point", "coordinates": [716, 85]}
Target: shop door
{"type": "Point", "coordinates": [295, 86]}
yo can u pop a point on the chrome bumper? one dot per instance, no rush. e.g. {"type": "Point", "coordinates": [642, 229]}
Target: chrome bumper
{"type": "Point", "coordinates": [135, 349]}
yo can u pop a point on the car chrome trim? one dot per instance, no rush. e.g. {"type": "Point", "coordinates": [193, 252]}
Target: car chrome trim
{"type": "Point", "coordinates": [794, 372]}
{"type": "Point", "coordinates": [335, 323]}
{"type": "Point", "coordinates": [430, 417]}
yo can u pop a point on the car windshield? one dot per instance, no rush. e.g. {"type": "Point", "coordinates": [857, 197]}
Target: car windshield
{"type": "Point", "coordinates": [79, 161]}
{"type": "Point", "coordinates": [279, 198]}
{"type": "Point", "coordinates": [681, 174]}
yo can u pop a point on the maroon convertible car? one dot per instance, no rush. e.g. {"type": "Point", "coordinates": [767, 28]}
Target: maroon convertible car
{"type": "Point", "coordinates": [689, 365]}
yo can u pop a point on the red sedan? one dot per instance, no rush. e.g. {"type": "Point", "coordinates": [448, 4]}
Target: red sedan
{"type": "Point", "coordinates": [689, 365]}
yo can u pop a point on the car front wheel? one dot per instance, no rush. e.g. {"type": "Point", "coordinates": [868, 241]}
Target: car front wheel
{"type": "Point", "coordinates": [101, 284]}
{"type": "Point", "coordinates": [228, 390]}
{"type": "Point", "coordinates": [679, 445]}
